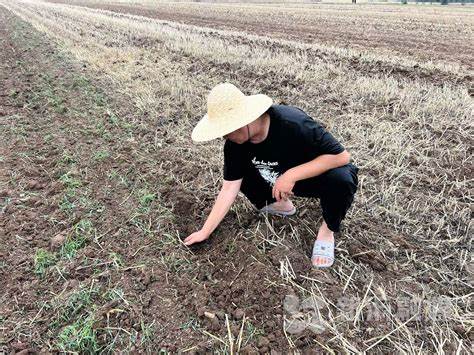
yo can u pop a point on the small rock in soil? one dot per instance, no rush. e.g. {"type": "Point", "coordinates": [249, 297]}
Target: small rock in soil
{"type": "Point", "coordinates": [201, 311]}
{"type": "Point", "coordinates": [209, 315]}
{"type": "Point", "coordinates": [57, 241]}
{"type": "Point", "coordinates": [238, 314]}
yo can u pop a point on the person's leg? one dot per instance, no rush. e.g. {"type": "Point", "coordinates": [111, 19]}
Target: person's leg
{"type": "Point", "coordinates": [259, 192]}
{"type": "Point", "coordinates": [336, 189]}
{"type": "Point", "coordinates": [256, 189]}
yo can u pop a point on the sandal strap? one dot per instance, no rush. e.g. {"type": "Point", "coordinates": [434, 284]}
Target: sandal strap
{"type": "Point", "coordinates": [271, 210]}
{"type": "Point", "coordinates": [323, 248]}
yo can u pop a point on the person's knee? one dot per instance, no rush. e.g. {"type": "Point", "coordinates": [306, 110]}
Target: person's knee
{"type": "Point", "coordinates": [341, 180]}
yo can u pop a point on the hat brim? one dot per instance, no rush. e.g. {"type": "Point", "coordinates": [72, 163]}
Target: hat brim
{"type": "Point", "coordinates": [254, 106]}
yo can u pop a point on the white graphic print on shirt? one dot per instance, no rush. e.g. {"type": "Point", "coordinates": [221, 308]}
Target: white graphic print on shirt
{"type": "Point", "coordinates": [266, 170]}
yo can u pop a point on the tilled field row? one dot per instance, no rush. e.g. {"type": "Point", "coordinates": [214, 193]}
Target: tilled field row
{"type": "Point", "coordinates": [404, 31]}
{"type": "Point", "coordinates": [366, 63]}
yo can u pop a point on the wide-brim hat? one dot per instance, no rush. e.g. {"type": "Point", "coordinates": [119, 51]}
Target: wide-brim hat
{"type": "Point", "coordinates": [228, 109]}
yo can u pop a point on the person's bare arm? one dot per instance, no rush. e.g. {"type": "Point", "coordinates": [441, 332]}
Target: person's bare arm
{"type": "Point", "coordinates": [284, 184]}
{"type": "Point", "coordinates": [319, 165]}
{"type": "Point", "coordinates": [224, 200]}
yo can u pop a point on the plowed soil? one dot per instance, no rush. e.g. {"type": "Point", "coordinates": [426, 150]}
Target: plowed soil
{"type": "Point", "coordinates": [54, 121]}
{"type": "Point", "coordinates": [93, 210]}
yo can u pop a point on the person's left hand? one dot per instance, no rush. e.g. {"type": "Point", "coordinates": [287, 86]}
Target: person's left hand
{"type": "Point", "coordinates": [283, 186]}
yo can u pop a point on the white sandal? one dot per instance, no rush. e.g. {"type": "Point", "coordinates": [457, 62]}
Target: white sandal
{"type": "Point", "coordinates": [277, 212]}
{"type": "Point", "coordinates": [324, 249]}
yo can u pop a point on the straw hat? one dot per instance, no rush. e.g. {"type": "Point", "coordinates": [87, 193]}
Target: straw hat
{"type": "Point", "coordinates": [228, 109]}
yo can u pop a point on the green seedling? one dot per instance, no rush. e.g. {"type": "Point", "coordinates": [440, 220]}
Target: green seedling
{"type": "Point", "coordinates": [43, 260]}
{"type": "Point", "coordinates": [79, 337]}
{"type": "Point", "coordinates": [82, 233]}
{"type": "Point", "coordinates": [101, 155]}
{"type": "Point", "coordinates": [77, 303]}
{"type": "Point", "coordinates": [69, 181]}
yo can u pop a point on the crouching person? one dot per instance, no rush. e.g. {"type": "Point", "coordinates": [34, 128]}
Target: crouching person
{"type": "Point", "coordinates": [271, 153]}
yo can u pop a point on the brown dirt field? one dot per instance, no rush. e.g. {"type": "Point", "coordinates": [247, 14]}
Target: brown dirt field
{"type": "Point", "coordinates": [47, 135]}
{"type": "Point", "coordinates": [82, 177]}
{"type": "Point", "coordinates": [407, 35]}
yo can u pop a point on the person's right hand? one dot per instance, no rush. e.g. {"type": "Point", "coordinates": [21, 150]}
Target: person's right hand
{"type": "Point", "coordinates": [196, 237]}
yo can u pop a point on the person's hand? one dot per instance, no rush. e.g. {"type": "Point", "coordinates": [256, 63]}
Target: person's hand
{"type": "Point", "coordinates": [196, 237]}
{"type": "Point", "coordinates": [283, 187]}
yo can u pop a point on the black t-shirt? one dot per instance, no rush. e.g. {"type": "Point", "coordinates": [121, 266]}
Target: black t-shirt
{"type": "Point", "coordinates": [294, 138]}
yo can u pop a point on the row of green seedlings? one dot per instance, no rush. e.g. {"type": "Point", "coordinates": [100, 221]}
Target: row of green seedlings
{"type": "Point", "coordinates": [81, 234]}
{"type": "Point", "coordinates": [83, 332]}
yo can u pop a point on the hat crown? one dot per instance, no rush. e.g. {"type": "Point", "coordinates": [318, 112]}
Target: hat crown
{"type": "Point", "coordinates": [223, 99]}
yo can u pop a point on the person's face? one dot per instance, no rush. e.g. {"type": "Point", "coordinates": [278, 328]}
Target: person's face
{"type": "Point", "coordinates": [238, 136]}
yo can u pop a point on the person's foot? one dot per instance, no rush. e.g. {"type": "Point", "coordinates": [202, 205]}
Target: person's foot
{"type": "Point", "coordinates": [282, 208]}
{"type": "Point", "coordinates": [282, 205]}
{"type": "Point", "coordinates": [325, 241]}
